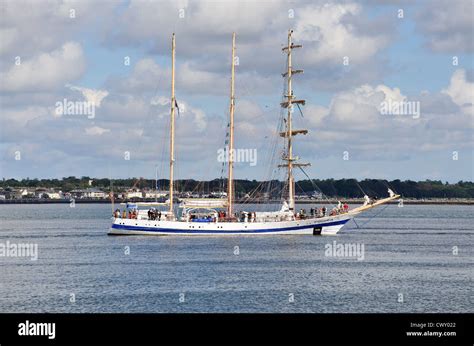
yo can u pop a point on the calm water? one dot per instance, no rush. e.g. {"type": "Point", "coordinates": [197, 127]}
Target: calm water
{"type": "Point", "coordinates": [408, 251]}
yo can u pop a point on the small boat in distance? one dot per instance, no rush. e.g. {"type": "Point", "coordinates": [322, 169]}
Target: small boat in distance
{"type": "Point", "coordinates": [216, 217]}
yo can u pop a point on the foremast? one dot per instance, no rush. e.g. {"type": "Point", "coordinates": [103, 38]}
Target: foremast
{"type": "Point", "coordinates": [172, 117]}
{"type": "Point", "coordinates": [230, 178]}
{"type": "Point", "coordinates": [291, 161]}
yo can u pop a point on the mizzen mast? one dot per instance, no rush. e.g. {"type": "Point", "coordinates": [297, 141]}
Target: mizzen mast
{"type": "Point", "coordinates": [289, 133]}
{"type": "Point", "coordinates": [173, 105]}
{"type": "Point", "coordinates": [230, 180]}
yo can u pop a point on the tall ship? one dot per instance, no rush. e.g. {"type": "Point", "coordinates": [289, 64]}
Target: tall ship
{"type": "Point", "coordinates": [218, 216]}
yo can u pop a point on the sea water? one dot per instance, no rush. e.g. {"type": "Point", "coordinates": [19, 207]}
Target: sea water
{"type": "Point", "coordinates": [416, 258]}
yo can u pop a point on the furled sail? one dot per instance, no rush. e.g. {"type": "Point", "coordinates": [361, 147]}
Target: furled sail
{"type": "Point", "coordinates": [203, 203]}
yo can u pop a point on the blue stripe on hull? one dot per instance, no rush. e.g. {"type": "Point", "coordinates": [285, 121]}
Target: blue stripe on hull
{"type": "Point", "coordinates": [274, 230]}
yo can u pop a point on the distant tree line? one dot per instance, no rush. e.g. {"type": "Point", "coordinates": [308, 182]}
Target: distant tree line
{"type": "Point", "coordinates": [349, 188]}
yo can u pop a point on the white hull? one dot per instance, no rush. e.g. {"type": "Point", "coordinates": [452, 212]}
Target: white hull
{"type": "Point", "coordinates": [314, 226]}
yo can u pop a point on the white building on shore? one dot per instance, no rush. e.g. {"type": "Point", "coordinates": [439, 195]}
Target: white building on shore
{"type": "Point", "coordinates": [155, 194]}
{"type": "Point", "coordinates": [92, 193]}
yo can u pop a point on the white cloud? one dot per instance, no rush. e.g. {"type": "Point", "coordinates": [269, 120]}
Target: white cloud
{"type": "Point", "coordinates": [190, 78]}
{"type": "Point", "coordinates": [91, 95]}
{"type": "Point", "coordinates": [8, 37]}
{"type": "Point", "coordinates": [188, 115]}
{"type": "Point", "coordinates": [145, 20]}
{"type": "Point", "coordinates": [316, 114]}
{"type": "Point", "coordinates": [359, 108]}
{"type": "Point", "coordinates": [461, 91]}
{"type": "Point", "coordinates": [134, 109]}
{"type": "Point", "coordinates": [45, 71]}
{"type": "Point", "coordinates": [447, 26]}
{"type": "Point", "coordinates": [248, 119]}
{"type": "Point", "coordinates": [49, 24]}
{"type": "Point", "coordinates": [17, 118]}
{"type": "Point", "coordinates": [331, 38]}
{"type": "Point", "coordinates": [329, 31]}
{"type": "Point", "coordinates": [125, 108]}
{"type": "Point", "coordinates": [159, 101]}
{"type": "Point", "coordinates": [146, 75]}
{"type": "Point", "coordinates": [353, 122]}
{"type": "Point", "coordinates": [96, 131]}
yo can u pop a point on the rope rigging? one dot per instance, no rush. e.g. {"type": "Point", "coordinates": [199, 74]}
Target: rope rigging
{"type": "Point", "coordinates": [372, 217]}
{"type": "Point", "coordinates": [316, 186]}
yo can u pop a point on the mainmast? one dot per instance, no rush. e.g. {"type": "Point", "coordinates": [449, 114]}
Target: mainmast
{"type": "Point", "coordinates": [289, 133]}
{"type": "Point", "coordinates": [173, 103]}
{"type": "Point", "coordinates": [230, 182]}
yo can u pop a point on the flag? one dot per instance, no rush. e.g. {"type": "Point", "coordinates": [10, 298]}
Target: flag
{"type": "Point", "coordinates": [176, 105]}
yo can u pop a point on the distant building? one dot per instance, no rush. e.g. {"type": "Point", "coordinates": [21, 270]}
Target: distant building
{"type": "Point", "coordinates": [134, 194]}
{"type": "Point", "coordinates": [53, 195]}
{"type": "Point", "coordinates": [27, 193]}
{"type": "Point", "coordinates": [19, 193]}
{"type": "Point", "coordinates": [48, 193]}
{"type": "Point", "coordinates": [219, 194]}
{"type": "Point", "coordinates": [95, 193]}
{"type": "Point", "coordinates": [9, 193]}
{"type": "Point", "coordinates": [155, 194]}
{"type": "Point", "coordinates": [92, 193]}
{"type": "Point", "coordinates": [309, 195]}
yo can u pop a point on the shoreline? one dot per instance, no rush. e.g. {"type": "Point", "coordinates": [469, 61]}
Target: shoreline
{"type": "Point", "coordinates": [247, 201]}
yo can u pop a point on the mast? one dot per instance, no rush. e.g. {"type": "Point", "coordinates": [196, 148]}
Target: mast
{"type": "Point", "coordinates": [289, 133]}
{"type": "Point", "coordinates": [230, 182]}
{"type": "Point", "coordinates": [173, 103]}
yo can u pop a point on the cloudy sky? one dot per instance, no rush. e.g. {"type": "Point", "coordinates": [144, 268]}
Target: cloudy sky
{"type": "Point", "coordinates": [356, 56]}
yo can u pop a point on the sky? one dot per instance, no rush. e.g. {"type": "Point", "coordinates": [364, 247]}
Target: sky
{"type": "Point", "coordinates": [358, 57]}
